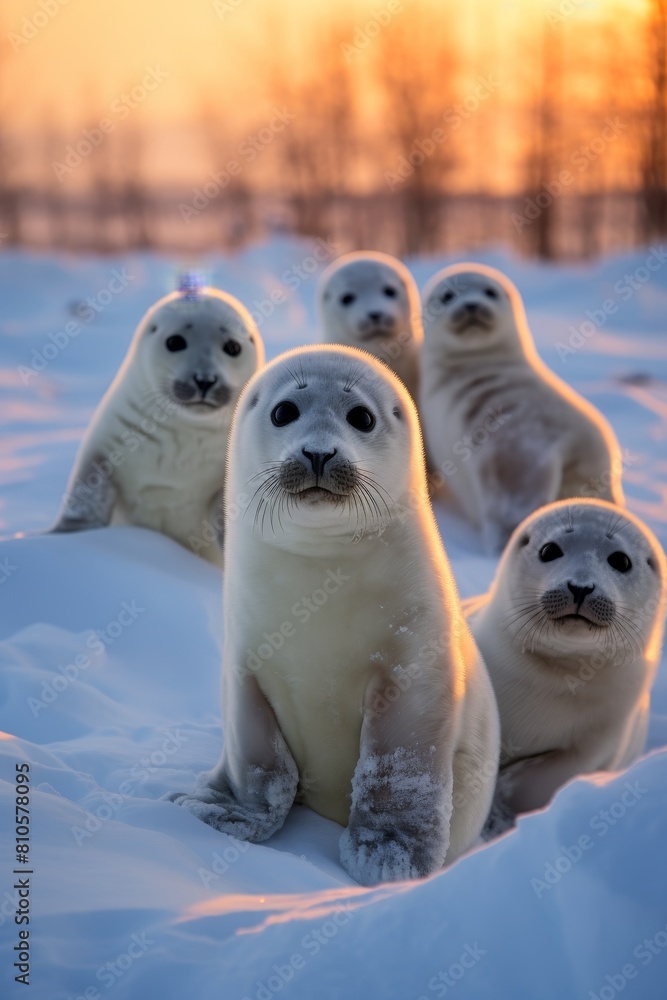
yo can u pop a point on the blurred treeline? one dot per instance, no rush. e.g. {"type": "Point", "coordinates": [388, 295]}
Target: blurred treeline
{"type": "Point", "coordinates": [392, 133]}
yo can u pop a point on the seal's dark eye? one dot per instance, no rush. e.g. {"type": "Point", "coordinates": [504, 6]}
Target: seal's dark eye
{"type": "Point", "coordinates": [491, 292]}
{"type": "Point", "coordinates": [176, 342]}
{"type": "Point", "coordinates": [447, 297]}
{"type": "Point", "coordinates": [347, 299]}
{"type": "Point", "coordinates": [284, 413]}
{"type": "Point", "coordinates": [620, 562]}
{"type": "Point", "coordinates": [390, 291]}
{"type": "Point", "coordinates": [550, 551]}
{"type": "Point", "coordinates": [231, 347]}
{"type": "Point", "coordinates": [361, 419]}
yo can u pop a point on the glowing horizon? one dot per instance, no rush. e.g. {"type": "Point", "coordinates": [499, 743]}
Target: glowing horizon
{"type": "Point", "coordinates": [70, 65]}
{"type": "Point", "coordinates": [80, 58]}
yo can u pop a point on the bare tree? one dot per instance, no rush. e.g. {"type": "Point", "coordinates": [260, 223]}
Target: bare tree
{"type": "Point", "coordinates": [416, 71]}
{"type": "Point", "coordinates": [316, 151]}
{"type": "Point", "coordinates": [654, 144]}
{"type": "Point", "coordinates": [234, 207]}
{"type": "Point", "coordinates": [543, 156]}
{"type": "Point", "coordinates": [104, 182]}
{"type": "Point", "coordinates": [135, 201]}
{"type": "Point", "coordinates": [54, 198]}
{"type": "Point", "coordinates": [10, 190]}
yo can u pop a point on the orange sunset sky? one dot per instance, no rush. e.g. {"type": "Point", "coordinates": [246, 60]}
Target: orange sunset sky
{"type": "Point", "coordinates": [90, 50]}
{"type": "Point", "coordinates": [224, 55]}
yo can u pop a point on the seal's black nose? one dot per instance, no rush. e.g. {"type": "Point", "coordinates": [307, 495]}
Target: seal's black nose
{"type": "Point", "coordinates": [204, 384]}
{"type": "Point", "coordinates": [318, 459]}
{"type": "Point", "coordinates": [579, 593]}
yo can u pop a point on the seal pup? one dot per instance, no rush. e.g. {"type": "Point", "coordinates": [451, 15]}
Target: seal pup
{"type": "Point", "coordinates": [370, 301]}
{"type": "Point", "coordinates": [571, 631]}
{"type": "Point", "coordinates": [502, 431]}
{"type": "Point", "coordinates": [154, 453]}
{"type": "Point", "coordinates": [350, 679]}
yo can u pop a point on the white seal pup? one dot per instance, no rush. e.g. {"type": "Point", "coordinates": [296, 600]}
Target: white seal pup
{"type": "Point", "coordinates": [370, 300]}
{"type": "Point", "coordinates": [504, 434]}
{"type": "Point", "coordinates": [571, 632]}
{"type": "Point", "coordinates": [154, 453]}
{"type": "Point", "coordinates": [350, 679]}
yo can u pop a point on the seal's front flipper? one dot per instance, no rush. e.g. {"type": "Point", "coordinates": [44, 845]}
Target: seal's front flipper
{"type": "Point", "coordinates": [90, 499]}
{"type": "Point", "coordinates": [254, 814]}
{"type": "Point", "coordinates": [402, 790]}
{"type": "Point", "coordinates": [252, 789]}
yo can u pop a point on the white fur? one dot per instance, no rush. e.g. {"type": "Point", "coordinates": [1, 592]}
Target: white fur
{"type": "Point", "coordinates": [573, 694]}
{"type": "Point", "coordinates": [388, 326]}
{"type": "Point", "coordinates": [152, 457]}
{"type": "Point", "coordinates": [503, 433]}
{"type": "Point", "coordinates": [374, 706]}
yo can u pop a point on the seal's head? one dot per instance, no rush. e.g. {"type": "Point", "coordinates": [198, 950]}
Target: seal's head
{"type": "Point", "coordinates": [470, 308]}
{"type": "Point", "coordinates": [366, 299]}
{"type": "Point", "coordinates": [197, 351]}
{"type": "Point", "coordinates": [583, 575]}
{"type": "Point", "coordinates": [325, 441]}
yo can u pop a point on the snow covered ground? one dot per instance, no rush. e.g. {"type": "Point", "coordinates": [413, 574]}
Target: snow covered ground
{"type": "Point", "coordinates": [110, 648]}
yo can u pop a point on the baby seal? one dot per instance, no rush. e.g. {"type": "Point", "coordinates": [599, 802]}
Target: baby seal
{"type": "Point", "coordinates": [154, 454]}
{"type": "Point", "coordinates": [502, 431]}
{"type": "Point", "coordinates": [571, 632]}
{"type": "Point", "coordinates": [350, 679]}
{"type": "Point", "coordinates": [371, 301]}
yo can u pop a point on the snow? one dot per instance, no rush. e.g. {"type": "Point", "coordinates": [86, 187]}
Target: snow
{"type": "Point", "coordinates": [111, 644]}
